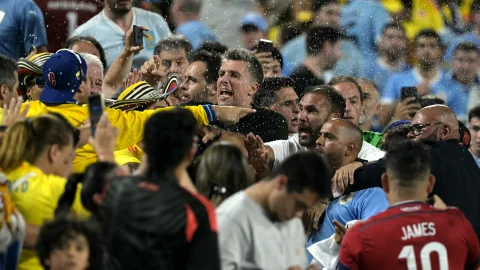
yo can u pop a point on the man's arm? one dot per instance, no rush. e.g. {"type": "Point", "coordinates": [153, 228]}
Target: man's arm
{"type": "Point", "coordinates": [121, 66]}
{"type": "Point", "coordinates": [33, 28]}
{"type": "Point", "coordinates": [367, 176]}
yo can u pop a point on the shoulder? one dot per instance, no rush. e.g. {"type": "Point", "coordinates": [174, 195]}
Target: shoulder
{"type": "Point", "coordinates": [89, 25]}
{"type": "Point", "coordinates": [148, 15]}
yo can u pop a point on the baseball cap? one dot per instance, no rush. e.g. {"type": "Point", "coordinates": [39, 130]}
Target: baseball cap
{"type": "Point", "coordinates": [63, 73]}
{"type": "Point", "coordinates": [255, 20]}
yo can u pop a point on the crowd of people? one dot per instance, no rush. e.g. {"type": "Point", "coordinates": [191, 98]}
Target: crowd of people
{"type": "Point", "coordinates": [246, 134]}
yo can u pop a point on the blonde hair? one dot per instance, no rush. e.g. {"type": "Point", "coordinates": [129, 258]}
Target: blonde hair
{"type": "Point", "coordinates": [26, 140]}
{"type": "Point", "coordinates": [222, 171]}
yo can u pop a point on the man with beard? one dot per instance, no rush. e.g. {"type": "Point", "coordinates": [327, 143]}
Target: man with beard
{"type": "Point", "coordinates": [340, 141]}
{"type": "Point", "coordinates": [323, 52]}
{"type": "Point", "coordinates": [453, 166]}
{"type": "Point", "coordinates": [111, 24]}
{"type": "Point", "coordinates": [427, 76]}
{"type": "Point", "coordinates": [392, 48]}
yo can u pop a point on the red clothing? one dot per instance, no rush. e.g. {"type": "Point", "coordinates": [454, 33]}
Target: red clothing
{"type": "Point", "coordinates": [63, 16]}
{"type": "Point", "coordinates": [411, 235]}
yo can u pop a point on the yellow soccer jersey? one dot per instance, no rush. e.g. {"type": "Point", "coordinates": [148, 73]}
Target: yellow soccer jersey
{"type": "Point", "coordinates": [36, 195]}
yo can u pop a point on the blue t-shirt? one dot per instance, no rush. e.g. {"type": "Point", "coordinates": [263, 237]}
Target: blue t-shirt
{"type": "Point", "coordinates": [112, 37]}
{"type": "Point", "coordinates": [295, 52]}
{"type": "Point", "coordinates": [358, 205]}
{"type": "Point", "coordinates": [196, 32]}
{"type": "Point", "coordinates": [21, 26]}
{"type": "Point", "coordinates": [412, 78]}
{"type": "Point", "coordinates": [379, 73]}
{"type": "Point", "coordinates": [363, 20]}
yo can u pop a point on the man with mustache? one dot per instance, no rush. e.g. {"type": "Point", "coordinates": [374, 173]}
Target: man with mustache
{"type": "Point", "coordinates": [316, 107]}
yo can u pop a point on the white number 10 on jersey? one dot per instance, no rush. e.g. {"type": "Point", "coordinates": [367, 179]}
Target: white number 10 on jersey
{"type": "Point", "coordinates": [408, 253]}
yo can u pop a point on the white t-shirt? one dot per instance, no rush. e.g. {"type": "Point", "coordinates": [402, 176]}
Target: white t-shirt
{"type": "Point", "coordinates": [285, 148]}
{"type": "Point", "coordinates": [250, 240]}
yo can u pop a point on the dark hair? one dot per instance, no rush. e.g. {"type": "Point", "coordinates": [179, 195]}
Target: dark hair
{"type": "Point", "coordinates": [217, 179]}
{"type": "Point", "coordinates": [191, 6]}
{"type": "Point", "coordinates": [213, 46]}
{"type": "Point", "coordinates": [306, 170]}
{"type": "Point", "coordinates": [318, 35]}
{"type": "Point", "coordinates": [318, 4]}
{"type": "Point", "coordinates": [168, 137]}
{"type": "Point", "coordinates": [429, 33]}
{"type": "Point", "coordinates": [276, 54]}
{"type": "Point", "coordinates": [71, 41]}
{"type": "Point", "coordinates": [466, 47]}
{"type": "Point", "coordinates": [267, 93]}
{"type": "Point", "coordinates": [335, 99]}
{"type": "Point", "coordinates": [429, 100]}
{"type": "Point", "coordinates": [177, 42]}
{"type": "Point", "coordinates": [254, 66]}
{"type": "Point", "coordinates": [408, 162]}
{"type": "Point", "coordinates": [65, 201]}
{"type": "Point", "coordinates": [213, 62]}
{"type": "Point", "coordinates": [393, 25]}
{"type": "Point", "coordinates": [348, 79]}
{"type": "Point", "coordinates": [8, 67]}
{"type": "Point", "coordinates": [54, 234]}
{"type": "Point", "coordinates": [475, 7]}
{"type": "Point", "coordinates": [474, 112]}
{"type": "Point", "coordinates": [395, 134]}
{"type": "Point", "coordinates": [97, 176]}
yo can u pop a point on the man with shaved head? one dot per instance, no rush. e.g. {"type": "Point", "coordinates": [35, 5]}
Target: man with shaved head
{"type": "Point", "coordinates": [340, 141]}
{"type": "Point", "coordinates": [456, 172]}
{"type": "Point", "coordinates": [436, 122]}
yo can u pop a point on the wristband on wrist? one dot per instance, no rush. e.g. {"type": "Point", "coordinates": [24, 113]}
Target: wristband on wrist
{"type": "Point", "coordinates": [211, 116]}
{"type": "Point", "coordinates": [3, 128]}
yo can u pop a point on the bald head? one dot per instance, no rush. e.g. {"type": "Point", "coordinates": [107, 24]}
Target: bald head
{"type": "Point", "coordinates": [436, 122]}
{"type": "Point", "coordinates": [340, 140]}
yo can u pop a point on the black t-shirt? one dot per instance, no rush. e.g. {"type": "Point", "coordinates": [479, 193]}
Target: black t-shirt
{"type": "Point", "coordinates": [456, 172]}
{"type": "Point", "coordinates": [267, 124]}
{"type": "Point", "coordinates": [153, 223]}
{"type": "Point", "coordinates": [304, 80]}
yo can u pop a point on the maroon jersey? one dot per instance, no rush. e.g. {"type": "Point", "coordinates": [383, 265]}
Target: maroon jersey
{"type": "Point", "coordinates": [63, 16]}
{"type": "Point", "coordinates": [411, 235]}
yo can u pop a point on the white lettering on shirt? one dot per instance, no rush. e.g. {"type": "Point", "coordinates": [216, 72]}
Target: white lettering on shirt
{"type": "Point", "coordinates": [418, 230]}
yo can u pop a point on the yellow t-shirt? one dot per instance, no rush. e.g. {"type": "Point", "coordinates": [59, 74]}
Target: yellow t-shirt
{"type": "Point", "coordinates": [130, 125]}
{"type": "Point", "coordinates": [36, 194]}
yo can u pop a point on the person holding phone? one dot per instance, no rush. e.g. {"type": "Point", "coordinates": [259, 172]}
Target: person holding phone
{"type": "Point", "coordinates": [64, 73]}
{"type": "Point", "coordinates": [270, 58]}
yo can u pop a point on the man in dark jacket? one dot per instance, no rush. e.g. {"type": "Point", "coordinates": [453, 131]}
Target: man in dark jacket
{"type": "Point", "coordinates": [457, 175]}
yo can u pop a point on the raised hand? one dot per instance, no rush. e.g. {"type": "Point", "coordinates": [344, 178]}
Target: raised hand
{"type": "Point", "coordinates": [12, 112]}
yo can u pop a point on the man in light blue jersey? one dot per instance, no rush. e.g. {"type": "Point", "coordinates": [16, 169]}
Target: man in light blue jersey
{"type": "Point", "coordinates": [295, 51]}
{"type": "Point", "coordinates": [21, 26]}
{"type": "Point", "coordinates": [110, 25]}
{"type": "Point", "coordinates": [186, 16]}
{"type": "Point", "coordinates": [340, 141]}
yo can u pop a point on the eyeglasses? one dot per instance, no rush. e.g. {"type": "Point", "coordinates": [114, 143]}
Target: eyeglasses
{"type": "Point", "coordinates": [417, 129]}
{"type": "Point", "coordinates": [80, 70]}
